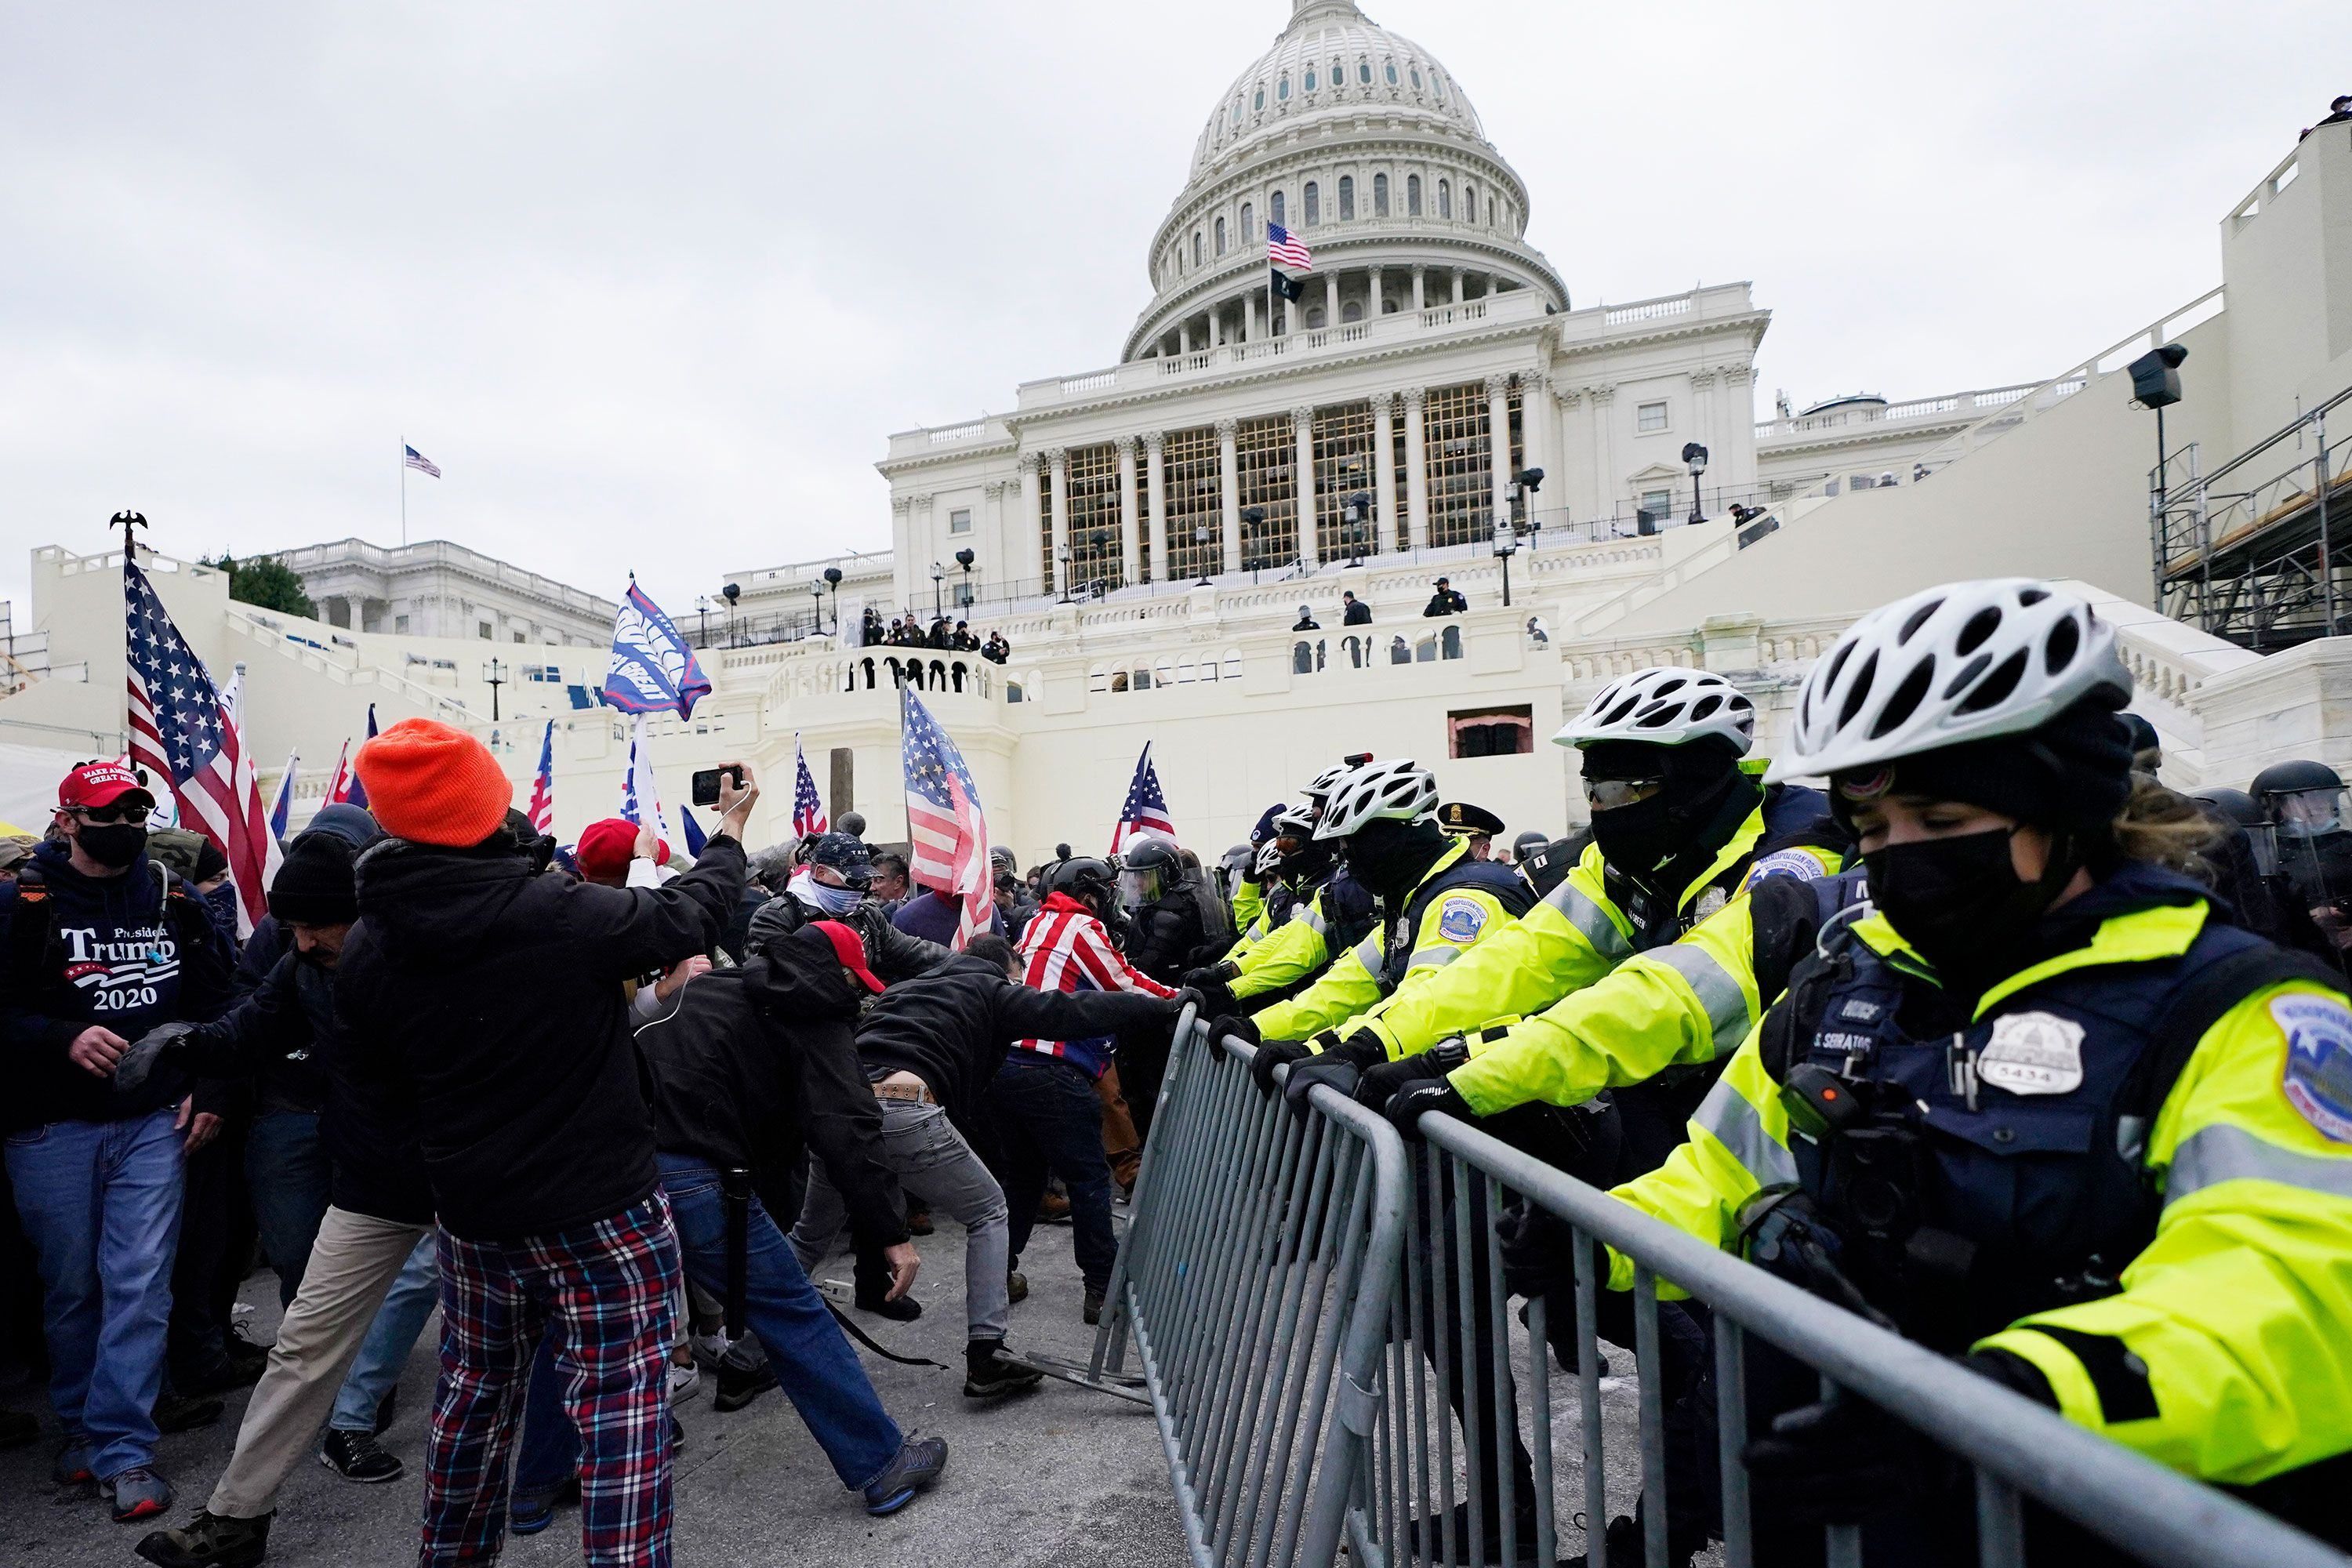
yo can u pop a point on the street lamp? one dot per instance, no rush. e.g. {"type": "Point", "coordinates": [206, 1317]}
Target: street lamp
{"type": "Point", "coordinates": [1694, 459]}
{"type": "Point", "coordinates": [1253, 525]}
{"type": "Point", "coordinates": [1524, 486]}
{"type": "Point", "coordinates": [1353, 512]}
{"type": "Point", "coordinates": [1200, 552]}
{"type": "Point", "coordinates": [833, 586]}
{"type": "Point", "coordinates": [816, 606]}
{"type": "Point", "coordinates": [1062, 558]}
{"type": "Point", "coordinates": [495, 675]}
{"type": "Point", "coordinates": [1506, 541]}
{"type": "Point", "coordinates": [732, 591]}
{"type": "Point", "coordinates": [702, 614]}
{"type": "Point", "coordinates": [964, 559]}
{"type": "Point", "coordinates": [939, 607]}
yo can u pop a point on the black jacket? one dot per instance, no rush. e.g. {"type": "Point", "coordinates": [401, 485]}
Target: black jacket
{"type": "Point", "coordinates": [288, 1026]}
{"type": "Point", "coordinates": [891, 953]}
{"type": "Point", "coordinates": [498, 988]}
{"type": "Point", "coordinates": [1359, 614]}
{"type": "Point", "coordinates": [952, 1026]}
{"type": "Point", "coordinates": [1446, 602]}
{"type": "Point", "coordinates": [127, 953]}
{"type": "Point", "coordinates": [759, 1064]}
{"type": "Point", "coordinates": [1162, 936]}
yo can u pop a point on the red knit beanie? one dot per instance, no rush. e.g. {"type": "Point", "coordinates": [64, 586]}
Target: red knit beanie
{"type": "Point", "coordinates": [432, 783]}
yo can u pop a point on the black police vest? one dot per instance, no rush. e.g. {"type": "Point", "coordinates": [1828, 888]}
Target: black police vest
{"type": "Point", "coordinates": [2005, 1177]}
{"type": "Point", "coordinates": [1403, 933]}
{"type": "Point", "coordinates": [1794, 814]}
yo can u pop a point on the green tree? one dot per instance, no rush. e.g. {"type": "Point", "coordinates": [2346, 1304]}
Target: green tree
{"type": "Point", "coordinates": [266, 581]}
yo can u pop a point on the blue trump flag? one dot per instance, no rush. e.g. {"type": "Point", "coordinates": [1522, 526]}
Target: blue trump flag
{"type": "Point", "coordinates": [652, 668]}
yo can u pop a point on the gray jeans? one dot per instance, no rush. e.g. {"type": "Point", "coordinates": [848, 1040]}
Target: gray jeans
{"type": "Point", "coordinates": [934, 1163]}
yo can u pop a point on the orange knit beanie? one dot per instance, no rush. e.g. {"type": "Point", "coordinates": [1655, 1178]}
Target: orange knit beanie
{"type": "Point", "coordinates": [432, 783]}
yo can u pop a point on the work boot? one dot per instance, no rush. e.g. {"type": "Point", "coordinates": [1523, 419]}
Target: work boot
{"type": "Point", "coordinates": [905, 1309]}
{"type": "Point", "coordinates": [738, 1385]}
{"type": "Point", "coordinates": [355, 1457]}
{"type": "Point", "coordinates": [987, 1372]}
{"type": "Point", "coordinates": [918, 1220]}
{"type": "Point", "coordinates": [209, 1541]}
{"type": "Point", "coordinates": [917, 1465]}
{"type": "Point", "coordinates": [1016, 1285]}
{"type": "Point", "coordinates": [136, 1493]}
{"type": "Point", "coordinates": [1092, 1308]}
{"type": "Point", "coordinates": [1054, 1208]}
{"type": "Point", "coordinates": [184, 1412]}
{"type": "Point", "coordinates": [218, 1373]}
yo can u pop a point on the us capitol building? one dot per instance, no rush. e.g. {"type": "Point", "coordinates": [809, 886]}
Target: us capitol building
{"type": "Point", "coordinates": [1435, 401]}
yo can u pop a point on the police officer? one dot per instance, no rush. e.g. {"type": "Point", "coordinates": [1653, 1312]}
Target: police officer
{"type": "Point", "coordinates": [2247, 873]}
{"type": "Point", "coordinates": [1459, 819]}
{"type": "Point", "coordinates": [2050, 1113]}
{"type": "Point", "coordinates": [2304, 802]}
{"type": "Point", "coordinates": [1313, 910]}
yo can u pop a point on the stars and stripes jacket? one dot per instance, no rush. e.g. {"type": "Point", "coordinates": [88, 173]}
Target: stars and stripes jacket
{"type": "Point", "coordinates": [1065, 948]}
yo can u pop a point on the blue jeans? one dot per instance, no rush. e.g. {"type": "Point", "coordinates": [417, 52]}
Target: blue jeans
{"type": "Point", "coordinates": [549, 1454]}
{"type": "Point", "coordinates": [286, 1170]}
{"type": "Point", "coordinates": [383, 1354]}
{"type": "Point", "coordinates": [1050, 1117]}
{"type": "Point", "coordinates": [813, 1363]}
{"type": "Point", "coordinates": [100, 1204]}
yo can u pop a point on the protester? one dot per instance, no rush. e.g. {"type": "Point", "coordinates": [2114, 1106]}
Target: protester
{"type": "Point", "coordinates": [757, 1065]}
{"type": "Point", "coordinates": [498, 992]}
{"type": "Point", "coordinates": [890, 887]}
{"type": "Point", "coordinates": [935, 914]}
{"type": "Point", "coordinates": [1044, 1095]}
{"type": "Point", "coordinates": [98, 930]}
{"type": "Point", "coordinates": [1357, 613]}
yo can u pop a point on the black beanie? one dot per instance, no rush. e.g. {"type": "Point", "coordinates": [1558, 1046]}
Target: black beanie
{"type": "Point", "coordinates": [316, 885]}
{"type": "Point", "coordinates": [2074, 772]}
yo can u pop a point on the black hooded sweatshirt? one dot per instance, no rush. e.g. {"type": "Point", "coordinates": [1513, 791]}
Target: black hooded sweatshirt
{"type": "Point", "coordinates": [497, 988]}
{"type": "Point", "coordinates": [758, 1065]}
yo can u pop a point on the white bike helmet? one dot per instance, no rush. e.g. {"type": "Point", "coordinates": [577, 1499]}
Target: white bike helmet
{"type": "Point", "coordinates": [1296, 823]}
{"type": "Point", "coordinates": [1665, 706]}
{"type": "Point", "coordinates": [1318, 788]}
{"type": "Point", "coordinates": [1269, 859]}
{"type": "Point", "coordinates": [1967, 661]}
{"type": "Point", "coordinates": [1399, 790]}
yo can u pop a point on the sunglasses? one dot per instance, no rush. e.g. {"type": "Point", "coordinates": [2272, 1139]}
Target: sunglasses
{"type": "Point", "coordinates": [108, 815]}
{"type": "Point", "coordinates": [1608, 794]}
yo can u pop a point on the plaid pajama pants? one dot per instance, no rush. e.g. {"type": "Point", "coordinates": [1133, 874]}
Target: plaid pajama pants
{"type": "Point", "coordinates": [604, 1293]}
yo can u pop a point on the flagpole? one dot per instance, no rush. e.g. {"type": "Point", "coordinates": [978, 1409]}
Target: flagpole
{"type": "Point", "coordinates": [403, 492]}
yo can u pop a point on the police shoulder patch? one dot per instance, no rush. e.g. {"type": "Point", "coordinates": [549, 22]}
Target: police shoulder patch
{"type": "Point", "coordinates": [1461, 919]}
{"type": "Point", "coordinates": [2317, 1080]}
{"type": "Point", "coordinates": [1787, 863]}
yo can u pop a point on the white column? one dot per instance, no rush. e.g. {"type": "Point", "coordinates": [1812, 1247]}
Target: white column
{"type": "Point", "coordinates": [1016, 540]}
{"type": "Point", "coordinates": [1419, 287]}
{"type": "Point", "coordinates": [1609, 486]}
{"type": "Point", "coordinates": [1302, 433]}
{"type": "Point", "coordinates": [1537, 419]}
{"type": "Point", "coordinates": [1498, 441]}
{"type": "Point", "coordinates": [1156, 501]}
{"type": "Point", "coordinates": [1383, 472]}
{"type": "Point", "coordinates": [1373, 300]}
{"type": "Point", "coordinates": [1229, 492]}
{"type": "Point", "coordinates": [902, 551]}
{"type": "Point", "coordinates": [1574, 452]}
{"type": "Point", "coordinates": [1130, 554]}
{"type": "Point", "coordinates": [1060, 573]}
{"type": "Point", "coordinates": [1330, 298]}
{"type": "Point", "coordinates": [1184, 336]}
{"type": "Point", "coordinates": [1255, 329]}
{"type": "Point", "coordinates": [1416, 464]}
{"type": "Point", "coordinates": [988, 549]}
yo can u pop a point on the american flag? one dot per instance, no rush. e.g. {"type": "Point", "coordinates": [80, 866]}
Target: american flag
{"type": "Point", "coordinates": [945, 826]}
{"type": "Point", "coordinates": [182, 730]}
{"type": "Point", "coordinates": [1146, 810]}
{"type": "Point", "coordinates": [1285, 248]}
{"type": "Point", "coordinates": [542, 788]}
{"type": "Point", "coordinates": [419, 462]}
{"type": "Point", "coordinates": [281, 810]}
{"type": "Point", "coordinates": [343, 786]}
{"type": "Point", "coordinates": [808, 810]}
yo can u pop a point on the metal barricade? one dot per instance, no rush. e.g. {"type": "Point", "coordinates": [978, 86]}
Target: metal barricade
{"type": "Point", "coordinates": [1255, 1279]}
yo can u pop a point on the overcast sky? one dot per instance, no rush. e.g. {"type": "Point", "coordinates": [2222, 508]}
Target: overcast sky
{"type": "Point", "coordinates": [652, 283]}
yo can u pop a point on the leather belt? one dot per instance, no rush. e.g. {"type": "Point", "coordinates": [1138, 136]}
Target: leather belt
{"type": "Point", "coordinates": [903, 1086]}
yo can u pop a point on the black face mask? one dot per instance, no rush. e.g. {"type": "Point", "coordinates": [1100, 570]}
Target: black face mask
{"type": "Point", "coordinates": [1640, 837]}
{"type": "Point", "coordinates": [113, 845]}
{"type": "Point", "coordinates": [1391, 858]}
{"type": "Point", "coordinates": [1960, 902]}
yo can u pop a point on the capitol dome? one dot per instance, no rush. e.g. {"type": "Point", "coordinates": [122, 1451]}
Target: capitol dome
{"type": "Point", "coordinates": [1364, 146]}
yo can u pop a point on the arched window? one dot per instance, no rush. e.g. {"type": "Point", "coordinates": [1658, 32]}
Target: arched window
{"type": "Point", "coordinates": [1314, 317]}
{"type": "Point", "coordinates": [1274, 210]}
{"type": "Point", "coordinates": [1338, 76]}
{"type": "Point", "coordinates": [1281, 88]}
{"type": "Point", "coordinates": [1379, 195]}
{"type": "Point", "coordinates": [1437, 83]}
{"type": "Point", "coordinates": [1444, 199]}
{"type": "Point", "coordinates": [1413, 195]}
{"type": "Point", "coordinates": [1416, 79]}
{"type": "Point", "coordinates": [1347, 198]}
{"type": "Point", "coordinates": [1351, 311]}
{"type": "Point", "coordinates": [1196, 247]}
{"type": "Point", "coordinates": [1221, 237]}
{"type": "Point", "coordinates": [1393, 82]}
{"type": "Point", "coordinates": [1260, 104]}
{"type": "Point", "coordinates": [1469, 202]}
{"type": "Point", "coordinates": [1310, 78]}
{"type": "Point", "coordinates": [1314, 203]}
{"type": "Point", "coordinates": [1249, 222]}
{"type": "Point", "coordinates": [1237, 113]}
{"type": "Point", "coordinates": [1364, 72]}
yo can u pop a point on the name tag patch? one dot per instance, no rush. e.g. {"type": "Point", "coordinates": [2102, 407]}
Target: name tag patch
{"type": "Point", "coordinates": [1858, 1011]}
{"type": "Point", "coordinates": [2319, 1078]}
{"type": "Point", "coordinates": [2034, 1053]}
{"type": "Point", "coordinates": [1461, 919]}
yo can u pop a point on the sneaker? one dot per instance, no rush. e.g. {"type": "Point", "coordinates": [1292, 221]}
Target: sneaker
{"type": "Point", "coordinates": [18, 1430]}
{"type": "Point", "coordinates": [918, 1222]}
{"type": "Point", "coordinates": [1016, 1285]}
{"type": "Point", "coordinates": [918, 1463]}
{"type": "Point", "coordinates": [184, 1412]}
{"type": "Point", "coordinates": [710, 1349]}
{"type": "Point", "coordinates": [136, 1493]}
{"type": "Point", "coordinates": [71, 1468]}
{"type": "Point", "coordinates": [529, 1516]}
{"type": "Point", "coordinates": [905, 1309]}
{"type": "Point", "coordinates": [987, 1373]}
{"type": "Point", "coordinates": [1092, 1308]}
{"type": "Point", "coordinates": [384, 1409]}
{"type": "Point", "coordinates": [738, 1386]}
{"type": "Point", "coordinates": [355, 1457]}
{"type": "Point", "coordinates": [684, 1382]}
{"type": "Point", "coordinates": [209, 1541]}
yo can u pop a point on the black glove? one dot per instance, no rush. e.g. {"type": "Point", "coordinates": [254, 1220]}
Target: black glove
{"type": "Point", "coordinates": [1187, 997]}
{"type": "Point", "coordinates": [1839, 1462]}
{"type": "Point", "coordinates": [1384, 1080]}
{"type": "Point", "coordinates": [1216, 996]}
{"type": "Point", "coordinates": [1201, 979]}
{"type": "Point", "coordinates": [139, 1061]}
{"type": "Point", "coordinates": [2013, 1373]}
{"type": "Point", "coordinates": [1226, 1024]}
{"type": "Point", "coordinates": [1272, 1055]}
{"type": "Point", "coordinates": [1405, 1107]}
